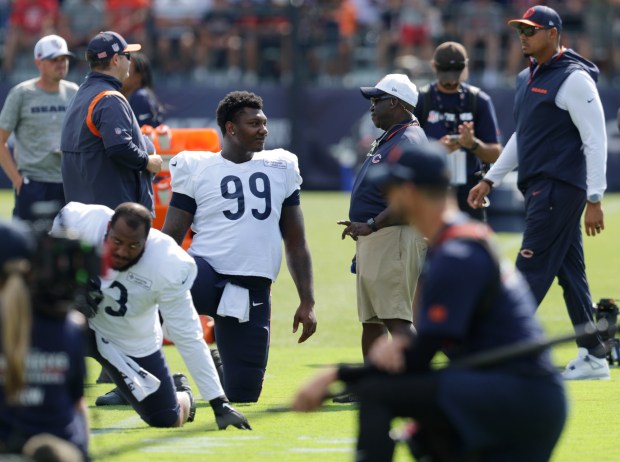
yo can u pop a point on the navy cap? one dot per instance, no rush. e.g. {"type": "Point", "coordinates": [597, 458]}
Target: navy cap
{"type": "Point", "coordinates": [420, 164]}
{"type": "Point", "coordinates": [15, 241]}
{"type": "Point", "coordinates": [539, 16]}
{"type": "Point", "coordinates": [104, 45]}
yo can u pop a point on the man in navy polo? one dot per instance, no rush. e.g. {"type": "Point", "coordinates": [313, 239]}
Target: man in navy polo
{"type": "Point", "coordinates": [389, 254]}
{"type": "Point", "coordinates": [560, 149]}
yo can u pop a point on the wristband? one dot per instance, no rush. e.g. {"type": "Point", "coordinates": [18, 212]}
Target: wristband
{"type": "Point", "coordinates": [373, 225]}
{"type": "Point", "coordinates": [475, 146]}
{"type": "Point", "coordinates": [489, 182]}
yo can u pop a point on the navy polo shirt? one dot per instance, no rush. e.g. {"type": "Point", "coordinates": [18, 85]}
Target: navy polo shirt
{"type": "Point", "coordinates": [367, 200]}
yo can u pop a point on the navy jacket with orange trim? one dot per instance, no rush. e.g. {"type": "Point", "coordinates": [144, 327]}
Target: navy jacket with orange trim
{"type": "Point", "coordinates": [108, 169]}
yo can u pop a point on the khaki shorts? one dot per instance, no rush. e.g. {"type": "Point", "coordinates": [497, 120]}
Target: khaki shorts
{"type": "Point", "coordinates": [389, 263]}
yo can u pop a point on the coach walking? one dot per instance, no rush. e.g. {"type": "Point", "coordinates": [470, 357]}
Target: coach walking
{"type": "Point", "coordinates": [559, 146]}
{"type": "Point", "coordinates": [389, 254]}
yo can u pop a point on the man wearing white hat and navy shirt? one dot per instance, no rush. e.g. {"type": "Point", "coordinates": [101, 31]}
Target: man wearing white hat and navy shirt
{"type": "Point", "coordinates": [389, 254]}
{"type": "Point", "coordinates": [560, 149]}
{"type": "Point", "coordinates": [34, 110]}
{"type": "Point", "coordinates": [106, 159]}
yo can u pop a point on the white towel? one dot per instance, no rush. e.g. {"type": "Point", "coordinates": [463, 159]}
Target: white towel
{"type": "Point", "coordinates": [235, 302]}
{"type": "Point", "coordinates": [457, 164]}
{"type": "Point", "coordinates": [139, 381]}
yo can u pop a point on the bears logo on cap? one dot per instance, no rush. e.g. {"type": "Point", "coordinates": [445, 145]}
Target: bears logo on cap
{"type": "Point", "coordinates": [529, 13]}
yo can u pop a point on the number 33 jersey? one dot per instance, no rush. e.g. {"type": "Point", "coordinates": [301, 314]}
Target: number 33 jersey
{"type": "Point", "coordinates": [237, 219]}
{"type": "Point", "coordinates": [160, 279]}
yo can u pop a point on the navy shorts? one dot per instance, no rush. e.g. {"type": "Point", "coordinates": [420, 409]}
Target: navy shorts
{"type": "Point", "coordinates": [36, 191]}
{"type": "Point", "coordinates": [159, 409]}
{"type": "Point", "coordinates": [243, 347]}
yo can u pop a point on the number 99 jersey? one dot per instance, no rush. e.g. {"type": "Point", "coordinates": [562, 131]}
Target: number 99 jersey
{"type": "Point", "coordinates": [237, 219]}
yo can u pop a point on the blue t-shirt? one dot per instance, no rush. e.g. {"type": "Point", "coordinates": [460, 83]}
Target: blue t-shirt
{"type": "Point", "coordinates": [54, 384]}
{"type": "Point", "coordinates": [449, 110]}
{"type": "Point", "coordinates": [367, 200]}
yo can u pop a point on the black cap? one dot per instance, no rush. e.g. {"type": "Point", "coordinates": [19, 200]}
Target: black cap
{"type": "Point", "coordinates": [421, 164]}
{"type": "Point", "coordinates": [450, 60]}
{"type": "Point", "coordinates": [15, 241]}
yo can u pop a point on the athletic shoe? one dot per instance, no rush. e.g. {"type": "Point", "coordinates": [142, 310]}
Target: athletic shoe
{"type": "Point", "coordinates": [586, 367]}
{"type": "Point", "coordinates": [346, 398]}
{"type": "Point", "coordinates": [182, 384]}
{"type": "Point", "coordinates": [226, 415]}
{"type": "Point", "coordinates": [111, 398]}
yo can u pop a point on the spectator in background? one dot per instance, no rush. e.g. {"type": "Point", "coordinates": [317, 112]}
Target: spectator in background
{"type": "Point", "coordinates": [37, 330]}
{"type": "Point", "coordinates": [130, 19]}
{"type": "Point", "coordinates": [34, 110]}
{"type": "Point", "coordinates": [175, 27]}
{"type": "Point", "coordinates": [105, 157]}
{"type": "Point", "coordinates": [219, 42]}
{"type": "Point", "coordinates": [138, 89]}
{"type": "Point", "coordinates": [29, 20]}
{"type": "Point", "coordinates": [79, 21]}
{"type": "Point", "coordinates": [480, 25]}
{"type": "Point", "coordinates": [462, 118]}
{"type": "Point", "coordinates": [388, 253]}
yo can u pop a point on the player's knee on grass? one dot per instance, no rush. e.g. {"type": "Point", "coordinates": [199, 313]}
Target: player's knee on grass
{"type": "Point", "coordinates": [244, 384]}
{"type": "Point", "coordinates": [163, 419]}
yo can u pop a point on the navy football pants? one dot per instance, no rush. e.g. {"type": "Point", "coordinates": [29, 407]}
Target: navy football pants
{"type": "Point", "coordinates": [552, 246]}
{"type": "Point", "coordinates": [243, 347]}
{"type": "Point", "coordinates": [159, 409]}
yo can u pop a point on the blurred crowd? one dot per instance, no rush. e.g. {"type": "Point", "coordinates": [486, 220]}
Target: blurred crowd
{"type": "Point", "coordinates": [315, 41]}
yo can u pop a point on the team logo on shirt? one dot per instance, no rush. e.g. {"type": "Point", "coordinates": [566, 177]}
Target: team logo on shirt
{"type": "Point", "coordinates": [376, 158]}
{"type": "Point", "coordinates": [527, 253]}
{"type": "Point", "coordinates": [437, 314]}
{"type": "Point", "coordinates": [118, 131]}
{"type": "Point", "coordinates": [139, 280]}
{"type": "Point", "coordinates": [274, 163]}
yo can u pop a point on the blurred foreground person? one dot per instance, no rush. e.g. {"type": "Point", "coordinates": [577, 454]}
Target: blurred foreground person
{"type": "Point", "coordinates": [512, 410]}
{"type": "Point", "coordinates": [42, 369]}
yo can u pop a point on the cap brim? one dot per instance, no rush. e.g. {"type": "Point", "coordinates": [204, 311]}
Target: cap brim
{"type": "Point", "coordinates": [56, 55]}
{"type": "Point", "coordinates": [527, 22]}
{"type": "Point", "coordinates": [132, 47]}
{"type": "Point", "coordinates": [370, 92]}
{"type": "Point", "coordinates": [382, 177]}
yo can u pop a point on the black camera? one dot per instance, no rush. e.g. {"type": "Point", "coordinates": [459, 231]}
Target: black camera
{"type": "Point", "coordinates": [606, 317]}
{"type": "Point", "coordinates": [63, 268]}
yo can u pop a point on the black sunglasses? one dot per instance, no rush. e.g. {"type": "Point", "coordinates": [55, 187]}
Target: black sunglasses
{"type": "Point", "coordinates": [375, 99]}
{"type": "Point", "coordinates": [450, 67]}
{"type": "Point", "coordinates": [528, 31]}
{"type": "Point", "coordinates": [126, 54]}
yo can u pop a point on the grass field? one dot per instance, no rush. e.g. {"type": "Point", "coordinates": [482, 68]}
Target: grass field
{"type": "Point", "coordinates": [119, 435]}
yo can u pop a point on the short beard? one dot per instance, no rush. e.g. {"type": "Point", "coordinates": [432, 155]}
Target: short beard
{"type": "Point", "coordinates": [132, 262]}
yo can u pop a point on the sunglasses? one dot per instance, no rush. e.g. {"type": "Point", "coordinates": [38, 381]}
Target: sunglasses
{"type": "Point", "coordinates": [454, 67]}
{"type": "Point", "coordinates": [375, 100]}
{"type": "Point", "coordinates": [126, 54]}
{"type": "Point", "coordinates": [528, 31]}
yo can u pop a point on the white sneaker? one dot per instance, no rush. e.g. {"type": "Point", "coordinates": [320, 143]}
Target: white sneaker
{"type": "Point", "coordinates": [586, 367]}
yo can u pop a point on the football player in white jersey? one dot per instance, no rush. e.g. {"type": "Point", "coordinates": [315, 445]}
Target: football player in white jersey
{"type": "Point", "coordinates": [148, 273]}
{"type": "Point", "coordinates": [241, 204]}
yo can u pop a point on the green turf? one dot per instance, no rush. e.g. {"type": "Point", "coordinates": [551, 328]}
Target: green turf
{"type": "Point", "coordinates": [590, 434]}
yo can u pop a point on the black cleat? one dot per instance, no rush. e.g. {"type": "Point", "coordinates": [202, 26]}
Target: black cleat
{"type": "Point", "coordinates": [227, 415]}
{"type": "Point", "coordinates": [182, 384]}
{"type": "Point", "coordinates": [346, 398]}
{"type": "Point", "coordinates": [111, 398]}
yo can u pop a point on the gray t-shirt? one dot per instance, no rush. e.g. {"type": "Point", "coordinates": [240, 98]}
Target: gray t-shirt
{"type": "Point", "coordinates": [36, 116]}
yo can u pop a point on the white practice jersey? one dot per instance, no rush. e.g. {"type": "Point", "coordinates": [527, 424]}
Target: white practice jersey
{"type": "Point", "coordinates": [237, 220]}
{"type": "Point", "coordinates": [161, 278]}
